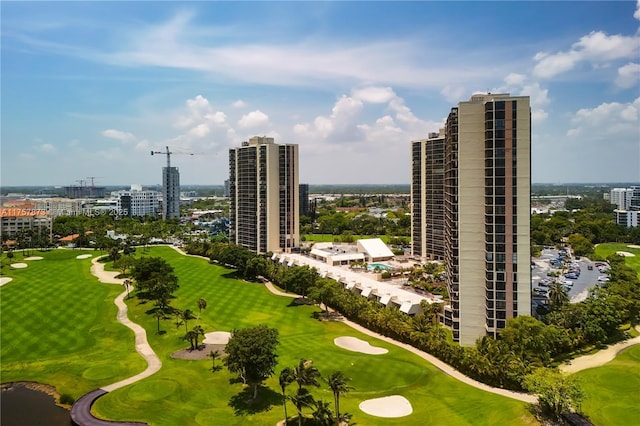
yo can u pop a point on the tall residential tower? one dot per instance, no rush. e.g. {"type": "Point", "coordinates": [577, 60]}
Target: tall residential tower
{"type": "Point", "coordinates": [264, 196]}
{"type": "Point", "coordinates": [170, 192]}
{"type": "Point", "coordinates": [485, 151]}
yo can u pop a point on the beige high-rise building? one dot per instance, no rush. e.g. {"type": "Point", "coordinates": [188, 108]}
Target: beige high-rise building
{"type": "Point", "coordinates": [471, 184]}
{"type": "Point", "coordinates": [264, 196]}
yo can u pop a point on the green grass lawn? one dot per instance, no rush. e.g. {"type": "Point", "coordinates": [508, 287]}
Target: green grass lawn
{"type": "Point", "coordinates": [69, 339]}
{"type": "Point", "coordinates": [58, 326]}
{"type": "Point", "coordinates": [187, 392]}
{"type": "Point", "coordinates": [605, 250]}
{"type": "Point", "coordinates": [613, 390]}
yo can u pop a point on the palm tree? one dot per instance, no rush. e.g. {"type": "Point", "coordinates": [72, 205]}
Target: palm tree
{"type": "Point", "coordinates": [199, 331]}
{"type": "Point", "coordinates": [301, 399]}
{"type": "Point", "coordinates": [557, 294]}
{"type": "Point", "coordinates": [323, 414]}
{"type": "Point", "coordinates": [127, 284]}
{"type": "Point", "coordinates": [285, 379]}
{"type": "Point", "coordinates": [190, 336]}
{"type": "Point", "coordinates": [214, 355]}
{"type": "Point", "coordinates": [187, 315]}
{"type": "Point", "coordinates": [202, 304]}
{"type": "Point", "coordinates": [338, 384]}
{"type": "Point", "coordinates": [304, 374]}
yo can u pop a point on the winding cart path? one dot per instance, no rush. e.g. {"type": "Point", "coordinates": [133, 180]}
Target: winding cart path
{"type": "Point", "coordinates": [81, 410]}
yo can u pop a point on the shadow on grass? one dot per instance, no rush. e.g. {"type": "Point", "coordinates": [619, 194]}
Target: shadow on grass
{"type": "Point", "coordinates": [300, 301]}
{"type": "Point", "coordinates": [243, 404]}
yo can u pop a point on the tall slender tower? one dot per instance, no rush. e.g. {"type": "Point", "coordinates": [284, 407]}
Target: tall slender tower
{"type": "Point", "coordinates": [471, 189]}
{"type": "Point", "coordinates": [427, 197]}
{"type": "Point", "coordinates": [264, 196]}
{"type": "Point", "coordinates": [170, 192]}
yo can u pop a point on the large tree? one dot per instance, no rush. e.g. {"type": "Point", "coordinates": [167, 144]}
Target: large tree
{"type": "Point", "coordinates": [154, 280]}
{"type": "Point", "coordinates": [556, 393]}
{"type": "Point", "coordinates": [252, 354]}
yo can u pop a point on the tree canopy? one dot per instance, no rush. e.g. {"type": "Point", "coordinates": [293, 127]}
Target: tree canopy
{"type": "Point", "coordinates": [252, 354]}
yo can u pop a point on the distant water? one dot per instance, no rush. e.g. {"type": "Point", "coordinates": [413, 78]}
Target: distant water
{"type": "Point", "coordinates": [22, 406]}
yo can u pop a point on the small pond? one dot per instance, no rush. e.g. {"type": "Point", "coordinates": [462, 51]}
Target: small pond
{"type": "Point", "coordinates": [23, 406]}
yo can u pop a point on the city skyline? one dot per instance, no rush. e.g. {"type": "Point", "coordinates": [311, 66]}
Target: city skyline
{"type": "Point", "coordinates": [92, 88]}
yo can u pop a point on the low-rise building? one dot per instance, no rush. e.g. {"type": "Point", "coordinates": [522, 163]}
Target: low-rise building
{"type": "Point", "coordinates": [14, 221]}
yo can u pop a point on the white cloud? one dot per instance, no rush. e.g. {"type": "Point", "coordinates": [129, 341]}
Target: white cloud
{"type": "Point", "coordinates": [47, 147]}
{"type": "Point", "coordinates": [597, 48]}
{"type": "Point", "coordinates": [374, 95]}
{"type": "Point", "coordinates": [200, 131]}
{"type": "Point", "coordinates": [636, 14]}
{"type": "Point", "coordinates": [119, 135]}
{"type": "Point", "coordinates": [239, 104]}
{"type": "Point", "coordinates": [254, 119]}
{"type": "Point", "coordinates": [453, 93]}
{"type": "Point", "coordinates": [628, 75]}
{"type": "Point", "coordinates": [515, 79]}
{"type": "Point", "coordinates": [609, 121]}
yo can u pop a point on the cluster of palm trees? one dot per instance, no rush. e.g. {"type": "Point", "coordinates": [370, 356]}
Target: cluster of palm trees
{"type": "Point", "coordinates": [304, 374]}
{"type": "Point", "coordinates": [183, 317]}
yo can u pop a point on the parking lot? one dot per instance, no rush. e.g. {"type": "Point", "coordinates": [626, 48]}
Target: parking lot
{"type": "Point", "coordinates": [579, 290]}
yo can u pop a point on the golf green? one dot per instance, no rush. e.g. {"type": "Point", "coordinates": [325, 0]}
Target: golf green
{"type": "Point", "coordinates": [88, 346]}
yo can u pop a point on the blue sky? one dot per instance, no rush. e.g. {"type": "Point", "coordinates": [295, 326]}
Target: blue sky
{"type": "Point", "coordinates": [89, 88]}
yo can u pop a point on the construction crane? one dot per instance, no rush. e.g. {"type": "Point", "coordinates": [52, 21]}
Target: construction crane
{"type": "Point", "coordinates": [92, 179]}
{"type": "Point", "coordinates": [168, 154]}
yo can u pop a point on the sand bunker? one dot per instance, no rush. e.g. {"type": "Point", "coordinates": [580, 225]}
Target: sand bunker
{"type": "Point", "coordinates": [83, 256]}
{"type": "Point", "coordinates": [19, 265]}
{"type": "Point", "coordinates": [357, 345]}
{"type": "Point", "coordinates": [625, 253]}
{"type": "Point", "coordinates": [34, 258]}
{"type": "Point", "coordinates": [5, 280]}
{"type": "Point", "coordinates": [633, 246]}
{"type": "Point", "coordinates": [389, 406]}
{"type": "Point", "coordinates": [217, 338]}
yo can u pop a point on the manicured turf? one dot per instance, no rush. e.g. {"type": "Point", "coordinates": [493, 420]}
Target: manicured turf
{"type": "Point", "coordinates": [58, 326]}
{"type": "Point", "coordinates": [613, 390]}
{"type": "Point", "coordinates": [187, 392]}
{"type": "Point", "coordinates": [605, 250]}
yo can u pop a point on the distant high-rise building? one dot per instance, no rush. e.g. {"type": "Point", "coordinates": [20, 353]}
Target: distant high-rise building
{"type": "Point", "coordinates": [627, 201]}
{"type": "Point", "coordinates": [625, 198]}
{"type": "Point", "coordinates": [304, 199]}
{"type": "Point", "coordinates": [474, 178]}
{"type": "Point", "coordinates": [137, 201]}
{"type": "Point", "coordinates": [170, 192]}
{"type": "Point", "coordinates": [264, 196]}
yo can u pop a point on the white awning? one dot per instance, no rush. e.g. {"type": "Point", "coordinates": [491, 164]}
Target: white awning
{"type": "Point", "coordinates": [274, 256]}
{"type": "Point", "coordinates": [366, 291]}
{"type": "Point", "coordinates": [351, 285]}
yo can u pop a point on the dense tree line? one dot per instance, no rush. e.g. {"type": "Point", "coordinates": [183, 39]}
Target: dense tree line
{"type": "Point", "coordinates": [587, 221]}
{"type": "Point", "coordinates": [525, 344]}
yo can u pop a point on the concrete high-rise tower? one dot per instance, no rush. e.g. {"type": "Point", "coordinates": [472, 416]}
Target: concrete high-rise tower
{"type": "Point", "coordinates": [264, 196]}
{"type": "Point", "coordinates": [170, 192]}
{"type": "Point", "coordinates": [483, 157]}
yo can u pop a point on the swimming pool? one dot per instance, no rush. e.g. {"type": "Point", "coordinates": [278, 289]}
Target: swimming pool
{"type": "Point", "coordinates": [373, 266]}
